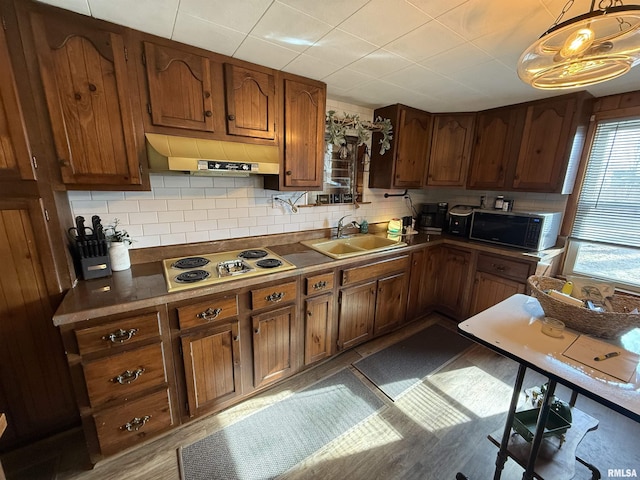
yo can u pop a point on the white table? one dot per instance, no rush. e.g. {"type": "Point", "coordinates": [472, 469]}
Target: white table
{"type": "Point", "coordinates": [513, 329]}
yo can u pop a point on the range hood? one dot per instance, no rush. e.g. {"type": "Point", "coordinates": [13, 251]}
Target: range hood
{"type": "Point", "coordinates": [196, 156]}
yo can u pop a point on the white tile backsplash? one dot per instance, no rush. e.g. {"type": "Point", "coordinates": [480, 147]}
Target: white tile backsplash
{"type": "Point", "coordinates": [187, 209]}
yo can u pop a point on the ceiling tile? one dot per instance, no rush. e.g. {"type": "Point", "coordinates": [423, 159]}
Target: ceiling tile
{"type": "Point", "coordinates": [346, 79]}
{"type": "Point", "coordinates": [333, 12]}
{"type": "Point", "coordinates": [311, 67]}
{"type": "Point", "coordinates": [426, 41]}
{"type": "Point", "coordinates": [458, 58]}
{"type": "Point", "coordinates": [264, 53]}
{"type": "Point", "coordinates": [374, 94]}
{"type": "Point", "coordinates": [239, 16]}
{"type": "Point", "coordinates": [340, 48]}
{"type": "Point", "coordinates": [381, 21]}
{"type": "Point", "coordinates": [379, 63]}
{"type": "Point", "coordinates": [151, 16]}
{"type": "Point", "coordinates": [203, 34]}
{"type": "Point", "coordinates": [289, 28]}
{"type": "Point", "coordinates": [476, 18]}
{"type": "Point", "coordinates": [78, 6]}
{"type": "Point", "coordinates": [435, 8]}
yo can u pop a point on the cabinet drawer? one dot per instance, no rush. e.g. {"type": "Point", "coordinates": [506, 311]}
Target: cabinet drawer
{"type": "Point", "coordinates": [268, 296]}
{"type": "Point", "coordinates": [503, 267]}
{"type": "Point", "coordinates": [118, 376]}
{"type": "Point", "coordinates": [118, 333]}
{"type": "Point", "coordinates": [125, 425]}
{"type": "Point", "coordinates": [368, 272]}
{"type": "Point", "coordinates": [319, 283]}
{"type": "Point", "coordinates": [204, 313]}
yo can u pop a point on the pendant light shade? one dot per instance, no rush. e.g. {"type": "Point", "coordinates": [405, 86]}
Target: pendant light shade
{"type": "Point", "coordinates": [592, 48]}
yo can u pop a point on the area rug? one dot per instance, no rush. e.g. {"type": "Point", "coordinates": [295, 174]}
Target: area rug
{"type": "Point", "coordinates": [397, 368]}
{"type": "Point", "coordinates": [271, 441]}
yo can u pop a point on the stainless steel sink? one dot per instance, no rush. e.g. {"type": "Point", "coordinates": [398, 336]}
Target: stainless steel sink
{"type": "Point", "coordinates": [353, 246]}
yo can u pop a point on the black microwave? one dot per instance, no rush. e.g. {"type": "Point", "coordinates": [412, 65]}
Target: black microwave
{"type": "Point", "coordinates": [527, 230]}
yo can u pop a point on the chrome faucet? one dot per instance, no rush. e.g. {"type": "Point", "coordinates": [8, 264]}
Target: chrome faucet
{"type": "Point", "coordinates": [340, 227]}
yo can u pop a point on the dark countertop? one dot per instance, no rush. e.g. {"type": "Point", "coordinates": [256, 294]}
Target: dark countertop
{"type": "Point", "coordinates": [143, 285]}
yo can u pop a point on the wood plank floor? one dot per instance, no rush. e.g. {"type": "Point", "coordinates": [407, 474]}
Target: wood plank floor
{"type": "Point", "coordinates": [435, 430]}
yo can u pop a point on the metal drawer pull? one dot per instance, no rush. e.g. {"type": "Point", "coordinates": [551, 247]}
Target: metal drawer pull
{"type": "Point", "coordinates": [128, 376]}
{"type": "Point", "coordinates": [120, 335]}
{"type": "Point", "coordinates": [500, 268]}
{"type": "Point", "coordinates": [274, 297]}
{"type": "Point", "coordinates": [209, 314]}
{"type": "Point", "coordinates": [136, 424]}
{"type": "Point", "coordinates": [319, 285]}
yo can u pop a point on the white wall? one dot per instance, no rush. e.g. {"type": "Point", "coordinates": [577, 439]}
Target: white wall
{"type": "Point", "coordinates": [185, 209]}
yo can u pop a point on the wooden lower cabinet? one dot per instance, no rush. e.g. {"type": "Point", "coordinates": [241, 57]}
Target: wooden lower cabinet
{"type": "Point", "coordinates": [318, 314]}
{"type": "Point", "coordinates": [390, 303]}
{"type": "Point", "coordinates": [123, 378]}
{"type": "Point", "coordinates": [490, 289]}
{"type": "Point", "coordinates": [452, 291]}
{"type": "Point", "coordinates": [273, 345]}
{"type": "Point", "coordinates": [416, 297]}
{"type": "Point", "coordinates": [212, 366]}
{"type": "Point", "coordinates": [357, 311]}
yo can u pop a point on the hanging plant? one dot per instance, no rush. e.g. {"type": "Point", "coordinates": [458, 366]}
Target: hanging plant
{"type": "Point", "coordinates": [337, 127]}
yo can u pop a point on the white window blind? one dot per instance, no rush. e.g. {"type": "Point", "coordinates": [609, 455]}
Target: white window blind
{"type": "Point", "coordinates": [609, 205]}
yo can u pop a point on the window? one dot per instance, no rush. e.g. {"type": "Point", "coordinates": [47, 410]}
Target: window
{"type": "Point", "coordinates": [605, 238]}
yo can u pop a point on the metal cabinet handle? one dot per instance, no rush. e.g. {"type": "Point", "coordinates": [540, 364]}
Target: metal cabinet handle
{"type": "Point", "coordinates": [128, 376]}
{"type": "Point", "coordinates": [231, 117]}
{"type": "Point", "coordinates": [319, 285]}
{"type": "Point", "coordinates": [275, 297]}
{"type": "Point", "coordinates": [208, 113]}
{"type": "Point", "coordinates": [209, 314]}
{"type": "Point", "coordinates": [136, 423]}
{"type": "Point", "coordinates": [120, 335]}
{"type": "Point", "coordinates": [498, 267]}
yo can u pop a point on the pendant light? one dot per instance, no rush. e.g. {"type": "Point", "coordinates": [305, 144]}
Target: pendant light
{"type": "Point", "coordinates": [591, 48]}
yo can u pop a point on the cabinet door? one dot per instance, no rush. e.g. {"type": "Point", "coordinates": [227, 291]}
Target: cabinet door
{"type": "Point", "coordinates": [212, 366]}
{"type": "Point", "coordinates": [391, 301]}
{"type": "Point", "coordinates": [304, 112]}
{"type": "Point", "coordinates": [251, 99]}
{"type": "Point", "coordinates": [489, 290]}
{"type": "Point", "coordinates": [35, 388]}
{"type": "Point", "coordinates": [15, 157]}
{"type": "Point", "coordinates": [357, 310]}
{"type": "Point", "coordinates": [272, 345]}
{"type": "Point", "coordinates": [452, 292]}
{"type": "Point", "coordinates": [416, 298]}
{"type": "Point", "coordinates": [495, 147]}
{"type": "Point", "coordinates": [450, 150]}
{"type": "Point", "coordinates": [414, 134]}
{"type": "Point", "coordinates": [318, 326]}
{"type": "Point", "coordinates": [545, 146]}
{"type": "Point", "coordinates": [180, 88]}
{"type": "Point", "coordinates": [88, 90]}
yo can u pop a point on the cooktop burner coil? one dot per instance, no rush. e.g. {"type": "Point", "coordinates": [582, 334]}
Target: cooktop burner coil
{"type": "Point", "coordinates": [190, 262]}
{"type": "Point", "coordinates": [250, 254]}
{"type": "Point", "coordinates": [192, 276]}
{"type": "Point", "coordinates": [269, 263]}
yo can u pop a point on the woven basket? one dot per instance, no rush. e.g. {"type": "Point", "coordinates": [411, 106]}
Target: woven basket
{"type": "Point", "coordinates": [605, 324]}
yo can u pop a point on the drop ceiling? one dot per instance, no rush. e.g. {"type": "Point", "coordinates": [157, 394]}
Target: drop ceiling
{"type": "Point", "coordinates": [436, 55]}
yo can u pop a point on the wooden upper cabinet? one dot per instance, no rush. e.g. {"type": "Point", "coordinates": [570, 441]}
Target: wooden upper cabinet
{"type": "Point", "coordinates": [450, 150]}
{"type": "Point", "coordinates": [546, 145]}
{"type": "Point", "coordinates": [89, 89]}
{"type": "Point", "coordinates": [404, 165]}
{"type": "Point", "coordinates": [493, 152]}
{"type": "Point", "coordinates": [304, 114]}
{"type": "Point", "coordinates": [15, 156]}
{"type": "Point", "coordinates": [180, 88]}
{"type": "Point", "coordinates": [251, 102]}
